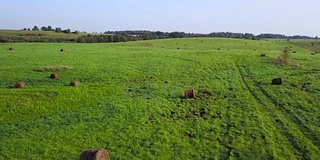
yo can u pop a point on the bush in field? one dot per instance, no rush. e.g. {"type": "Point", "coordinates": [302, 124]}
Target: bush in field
{"type": "Point", "coordinates": [283, 59]}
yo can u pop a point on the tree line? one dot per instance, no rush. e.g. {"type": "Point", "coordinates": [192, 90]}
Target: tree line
{"type": "Point", "coordinates": [131, 35]}
{"type": "Point", "coordinates": [124, 36]}
{"type": "Point", "coordinates": [49, 28]}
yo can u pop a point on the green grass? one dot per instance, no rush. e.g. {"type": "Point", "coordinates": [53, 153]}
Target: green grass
{"type": "Point", "coordinates": [130, 100]}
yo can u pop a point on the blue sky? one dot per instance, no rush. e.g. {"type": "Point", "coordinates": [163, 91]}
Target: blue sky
{"type": "Point", "coordinates": [290, 17]}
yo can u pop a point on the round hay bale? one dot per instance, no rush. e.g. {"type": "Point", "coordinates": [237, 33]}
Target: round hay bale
{"type": "Point", "coordinates": [262, 55]}
{"type": "Point", "coordinates": [54, 76]}
{"type": "Point", "coordinates": [62, 50]}
{"type": "Point", "coordinates": [11, 49]}
{"type": "Point", "coordinates": [75, 83]}
{"type": "Point", "coordinates": [95, 154]}
{"type": "Point", "coordinates": [20, 85]}
{"type": "Point", "coordinates": [190, 93]}
{"type": "Point", "coordinates": [277, 81]}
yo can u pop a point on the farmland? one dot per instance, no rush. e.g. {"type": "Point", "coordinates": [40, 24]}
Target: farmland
{"type": "Point", "coordinates": [131, 100]}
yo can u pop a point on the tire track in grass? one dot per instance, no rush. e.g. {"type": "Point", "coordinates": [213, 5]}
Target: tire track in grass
{"type": "Point", "coordinates": [235, 126]}
{"type": "Point", "coordinates": [300, 149]}
{"type": "Point", "coordinates": [289, 113]}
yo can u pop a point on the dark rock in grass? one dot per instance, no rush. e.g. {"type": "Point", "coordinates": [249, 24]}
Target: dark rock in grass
{"type": "Point", "coordinates": [54, 76]}
{"type": "Point", "coordinates": [75, 83]}
{"type": "Point", "coordinates": [95, 154]}
{"type": "Point", "coordinates": [277, 81]}
{"type": "Point", "coordinates": [11, 49]}
{"type": "Point", "coordinates": [20, 85]}
{"type": "Point", "coordinates": [190, 93]}
{"type": "Point", "coordinates": [262, 55]}
{"type": "Point", "coordinates": [62, 50]}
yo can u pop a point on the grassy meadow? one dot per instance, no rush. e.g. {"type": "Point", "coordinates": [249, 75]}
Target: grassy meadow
{"type": "Point", "coordinates": [131, 100]}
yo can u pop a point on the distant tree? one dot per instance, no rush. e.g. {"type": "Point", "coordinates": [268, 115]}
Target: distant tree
{"type": "Point", "coordinates": [110, 37]}
{"type": "Point", "coordinates": [67, 31]}
{"type": "Point", "coordinates": [49, 28]}
{"type": "Point", "coordinates": [159, 33]}
{"type": "Point", "coordinates": [29, 29]}
{"type": "Point", "coordinates": [24, 29]}
{"type": "Point", "coordinates": [177, 35]}
{"type": "Point", "coordinates": [316, 38]}
{"type": "Point", "coordinates": [35, 28]}
{"type": "Point", "coordinates": [58, 30]}
{"type": "Point", "coordinates": [81, 39]}
{"type": "Point", "coordinates": [44, 28]}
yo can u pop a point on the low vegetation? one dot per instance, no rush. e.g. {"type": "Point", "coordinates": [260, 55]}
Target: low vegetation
{"type": "Point", "coordinates": [131, 100]}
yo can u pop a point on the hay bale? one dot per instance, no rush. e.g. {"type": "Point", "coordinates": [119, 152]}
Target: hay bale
{"type": "Point", "coordinates": [190, 93]}
{"type": "Point", "coordinates": [95, 154]}
{"type": "Point", "coordinates": [277, 81]}
{"type": "Point", "coordinates": [262, 55]}
{"type": "Point", "coordinates": [11, 49]}
{"type": "Point", "coordinates": [62, 50]}
{"type": "Point", "coordinates": [20, 85]}
{"type": "Point", "coordinates": [75, 83]}
{"type": "Point", "coordinates": [54, 76]}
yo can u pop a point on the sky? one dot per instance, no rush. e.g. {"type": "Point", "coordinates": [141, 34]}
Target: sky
{"type": "Point", "coordinates": [288, 17]}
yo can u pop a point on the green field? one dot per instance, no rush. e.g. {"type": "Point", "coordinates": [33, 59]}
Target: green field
{"type": "Point", "coordinates": [131, 100]}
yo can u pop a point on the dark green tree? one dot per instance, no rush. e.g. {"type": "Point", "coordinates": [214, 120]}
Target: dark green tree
{"type": "Point", "coordinates": [67, 31]}
{"type": "Point", "coordinates": [58, 30]}
{"type": "Point", "coordinates": [44, 28]}
{"type": "Point", "coordinates": [35, 28]}
{"type": "Point", "coordinates": [49, 28]}
{"type": "Point", "coordinates": [176, 34]}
